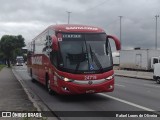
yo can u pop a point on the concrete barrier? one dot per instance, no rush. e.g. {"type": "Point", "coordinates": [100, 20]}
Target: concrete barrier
{"type": "Point", "coordinates": [135, 74]}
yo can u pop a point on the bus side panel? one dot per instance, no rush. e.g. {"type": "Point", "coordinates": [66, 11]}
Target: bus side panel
{"type": "Point", "coordinates": [34, 72]}
{"type": "Point", "coordinates": [35, 68]}
{"type": "Point", "coordinates": [41, 74]}
{"type": "Point", "coordinates": [44, 69]}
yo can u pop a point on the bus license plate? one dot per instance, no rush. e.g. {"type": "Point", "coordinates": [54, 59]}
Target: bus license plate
{"type": "Point", "coordinates": [90, 91]}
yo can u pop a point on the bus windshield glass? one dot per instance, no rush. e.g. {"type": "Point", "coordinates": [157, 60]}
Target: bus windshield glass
{"type": "Point", "coordinates": [85, 53]}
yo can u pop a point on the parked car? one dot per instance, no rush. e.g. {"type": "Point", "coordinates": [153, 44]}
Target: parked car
{"type": "Point", "coordinates": [19, 63]}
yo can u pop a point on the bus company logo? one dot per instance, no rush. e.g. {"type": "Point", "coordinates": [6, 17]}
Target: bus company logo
{"type": "Point", "coordinates": [90, 82]}
{"type": "Point", "coordinates": [6, 114]}
{"type": "Point", "coordinates": [37, 60]}
{"type": "Point", "coordinates": [82, 28]}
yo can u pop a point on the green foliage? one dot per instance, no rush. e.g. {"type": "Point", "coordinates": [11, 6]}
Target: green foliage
{"type": "Point", "coordinates": [1, 55]}
{"type": "Point", "coordinates": [1, 66]}
{"type": "Point", "coordinates": [10, 46]}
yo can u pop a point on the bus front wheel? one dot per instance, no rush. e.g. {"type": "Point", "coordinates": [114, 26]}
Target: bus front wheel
{"type": "Point", "coordinates": [48, 85]}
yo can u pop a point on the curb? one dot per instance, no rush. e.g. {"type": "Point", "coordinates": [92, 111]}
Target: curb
{"type": "Point", "coordinates": [132, 76]}
{"type": "Point", "coordinates": [26, 91]}
{"type": "Point", "coordinates": [41, 106]}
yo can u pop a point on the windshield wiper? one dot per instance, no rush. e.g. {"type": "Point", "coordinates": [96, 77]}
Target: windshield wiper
{"type": "Point", "coordinates": [94, 57]}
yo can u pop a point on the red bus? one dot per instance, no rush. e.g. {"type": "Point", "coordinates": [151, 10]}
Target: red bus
{"type": "Point", "coordinates": [73, 59]}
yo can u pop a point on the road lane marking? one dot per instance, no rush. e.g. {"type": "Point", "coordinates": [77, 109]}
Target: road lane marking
{"type": "Point", "coordinates": [119, 85]}
{"type": "Point", "coordinates": [127, 102]}
{"type": "Point", "coordinates": [148, 85]}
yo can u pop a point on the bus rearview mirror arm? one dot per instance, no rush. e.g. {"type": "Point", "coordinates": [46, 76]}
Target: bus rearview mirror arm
{"type": "Point", "coordinates": [116, 40]}
{"type": "Point", "coordinates": [54, 43]}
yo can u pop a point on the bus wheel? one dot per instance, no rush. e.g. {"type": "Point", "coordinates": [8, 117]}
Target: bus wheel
{"type": "Point", "coordinates": [32, 79]}
{"type": "Point", "coordinates": [48, 85]}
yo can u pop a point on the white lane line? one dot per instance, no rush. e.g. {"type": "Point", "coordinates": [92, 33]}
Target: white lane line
{"type": "Point", "coordinates": [119, 85]}
{"type": "Point", "coordinates": [127, 102]}
{"type": "Point", "coordinates": [148, 85]}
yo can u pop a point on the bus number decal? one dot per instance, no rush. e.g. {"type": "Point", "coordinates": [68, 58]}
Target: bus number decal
{"type": "Point", "coordinates": [90, 77]}
{"type": "Point", "coordinates": [37, 60]}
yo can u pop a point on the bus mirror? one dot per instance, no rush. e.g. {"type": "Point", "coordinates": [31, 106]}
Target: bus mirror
{"type": "Point", "coordinates": [48, 40]}
{"type": "Point", "coordinates": [49, 43]}
{"type": "Point", "coordinates": [48, 37]}
{"type": "Point", "coordinates": [116, 40]}
{"type": "Point", "coordinates": [55, 43]}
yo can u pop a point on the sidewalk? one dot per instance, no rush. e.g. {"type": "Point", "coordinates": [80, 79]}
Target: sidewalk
{"type": "Point", "coordinates": [12, 95]}
{"type": "Point", "coordinates": [135, 74]}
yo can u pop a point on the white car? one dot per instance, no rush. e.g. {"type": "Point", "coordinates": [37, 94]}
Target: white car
{"type": "Point", "coordinates": [19, 64]}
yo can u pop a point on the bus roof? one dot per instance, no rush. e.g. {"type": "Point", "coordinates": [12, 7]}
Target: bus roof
{"type": "Point", "coordinates": [76, 28]}
{"type": "Point", "coordinates": [73, 28]}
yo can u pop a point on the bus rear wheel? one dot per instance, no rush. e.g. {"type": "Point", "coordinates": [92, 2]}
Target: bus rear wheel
{"type": "Point", "coordinates": [32, 79]}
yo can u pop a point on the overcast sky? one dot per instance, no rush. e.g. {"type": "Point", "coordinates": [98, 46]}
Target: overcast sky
{"type": "Point", "coordinates": [30, 17]}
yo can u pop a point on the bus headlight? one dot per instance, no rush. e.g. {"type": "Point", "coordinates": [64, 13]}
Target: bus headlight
{"type": "Point", "coordinates": [63, 78]}
{"type": "Point", "coordinates": [68, 80]}
{"type": "Point", "coordinates": [110, 77]}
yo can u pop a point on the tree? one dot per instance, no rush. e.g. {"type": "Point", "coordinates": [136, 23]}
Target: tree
{"type": "Point", "coordinates": [2, 58]}
{"type": "Point", "coordinates": [9, 44]}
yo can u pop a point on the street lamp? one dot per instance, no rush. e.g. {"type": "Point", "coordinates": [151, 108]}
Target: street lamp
{"type": "Point", "coordinates": [120, 27]}
{"type": "Point", "coordinates": [156, 32]}
{"type": "Point", "coordinates": [120, 17]}
{"type": "Point", "coordinates": [68, 16]}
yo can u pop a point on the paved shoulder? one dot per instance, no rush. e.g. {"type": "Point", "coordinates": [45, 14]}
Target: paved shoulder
{"type": "Point", "coordinates": [13, 97]}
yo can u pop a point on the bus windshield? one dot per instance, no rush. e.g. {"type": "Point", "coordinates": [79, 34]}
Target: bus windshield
{"type": "Point", "coordinates": [85, 53]}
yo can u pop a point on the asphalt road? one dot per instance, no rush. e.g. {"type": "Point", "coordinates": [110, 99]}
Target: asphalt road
{"type": "Point", "coordinates": [129, 95]}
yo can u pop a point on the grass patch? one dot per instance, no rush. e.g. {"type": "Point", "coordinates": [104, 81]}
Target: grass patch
{"type": "Point", "coordinates": [1, 66]}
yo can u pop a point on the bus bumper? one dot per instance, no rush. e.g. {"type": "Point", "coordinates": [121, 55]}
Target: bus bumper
{"type": "Point", "coordinates": [67, 88]}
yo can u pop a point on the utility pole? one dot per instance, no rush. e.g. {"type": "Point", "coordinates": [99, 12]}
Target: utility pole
{"type": "Point", "coordinates": [120, 18]}
{"type": "Point", "coordinates": [120, 27]}
{"type": "Point", "coordinates": [68, 16]}
{"type": "Point", "coordinates": [156, 33]}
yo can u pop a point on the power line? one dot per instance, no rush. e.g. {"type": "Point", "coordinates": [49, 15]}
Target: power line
{"type": "Point", "coordinates": [112, 22]}
{"type": "Point", "coordinates": [96, 6]}
{"type": "Point", "coordinates": [85, 10]}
